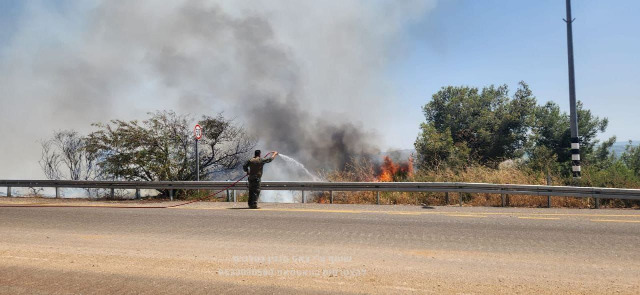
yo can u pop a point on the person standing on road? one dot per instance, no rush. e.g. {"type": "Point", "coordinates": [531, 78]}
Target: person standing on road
{"type": "Point", "coordinates": [253, 168]}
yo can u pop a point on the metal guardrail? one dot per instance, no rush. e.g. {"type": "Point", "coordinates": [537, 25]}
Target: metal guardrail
{"type": "Point", "coordinates": [459, 187]}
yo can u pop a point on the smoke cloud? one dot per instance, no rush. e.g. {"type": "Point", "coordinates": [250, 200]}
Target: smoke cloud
{"type": "Point", "coordinates": [305, 76]}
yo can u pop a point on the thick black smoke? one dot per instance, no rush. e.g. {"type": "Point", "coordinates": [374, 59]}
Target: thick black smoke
{"type": "Point", "coordinates": [316, 142]}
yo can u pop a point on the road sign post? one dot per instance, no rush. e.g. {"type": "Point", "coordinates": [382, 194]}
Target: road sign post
{"type": "Point", "coordinates": [197, 162]}
{"type": "Point", "coordinates": [197, 132]}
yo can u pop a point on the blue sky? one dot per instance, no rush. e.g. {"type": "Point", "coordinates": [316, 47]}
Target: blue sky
{"type": "Point", "coordinates": [9, 12]}
{"type": "Point", "coordinates": [478, 43]}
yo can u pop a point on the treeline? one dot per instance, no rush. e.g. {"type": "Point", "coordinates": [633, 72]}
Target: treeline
{"type": "Point", "coordinates": [159, 148]}
{"type": "Point", "coordinates": [468, 127]}
{"type": "Point", "coordinates": [487, 135]}
{"type": "Point", "coordinates": [469, 135]}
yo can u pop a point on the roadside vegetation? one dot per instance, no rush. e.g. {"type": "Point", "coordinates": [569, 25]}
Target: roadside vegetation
{"type": "Point", "coordinates": [469, 135]}
{"type": "Point", "coordinates": [486, 135]}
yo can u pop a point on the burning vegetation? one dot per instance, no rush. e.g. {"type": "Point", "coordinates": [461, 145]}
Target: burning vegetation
{"type": "Point", "coordinates": [390, 171]}
{"type": "Point", "coordinates": [366, 169]}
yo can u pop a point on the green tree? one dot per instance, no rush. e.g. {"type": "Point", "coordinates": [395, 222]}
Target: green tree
{"type": "Point", "coordinates": [465, 125]}
{"type": "Point", "coordinates": [631, 158]}
{"type": "Point", "coordinates": [436, 149]}
{"type": "Point", "coordinates": [551, 138]}
{"type": "Point", "coordinates": [162, 147]}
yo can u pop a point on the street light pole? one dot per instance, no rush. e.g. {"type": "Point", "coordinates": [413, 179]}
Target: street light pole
{"type": "Point", "coordinates": [575, 141]}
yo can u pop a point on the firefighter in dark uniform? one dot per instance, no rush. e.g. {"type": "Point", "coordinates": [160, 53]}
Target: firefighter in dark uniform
{"type": "Point", "coordinates": [253, 167]}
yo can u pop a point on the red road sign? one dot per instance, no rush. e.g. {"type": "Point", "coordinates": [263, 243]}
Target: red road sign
{"type": "Point", "coordinates": [197, 131]}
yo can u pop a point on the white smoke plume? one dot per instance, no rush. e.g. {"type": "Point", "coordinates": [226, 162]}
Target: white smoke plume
{"type": "Point", "coordinates": [306, 76]}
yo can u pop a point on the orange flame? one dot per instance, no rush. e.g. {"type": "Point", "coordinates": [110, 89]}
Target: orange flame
{"type": "Point", "coordinates": [390, 171]}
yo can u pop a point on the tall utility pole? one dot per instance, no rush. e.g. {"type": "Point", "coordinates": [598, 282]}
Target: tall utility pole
{"type": "Point", "coordinates": [575, 141]}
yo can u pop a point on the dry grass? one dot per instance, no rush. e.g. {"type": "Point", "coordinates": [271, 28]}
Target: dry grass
{"type": "Point", "coordinates": [363, 171]}
{"type": "Point", "coordinates": [512, 175]}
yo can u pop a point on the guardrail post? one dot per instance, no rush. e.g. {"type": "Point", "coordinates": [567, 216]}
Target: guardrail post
{"type": "Point", "coordinates": [8, 191]}
{"type": "Point", "coordinates": [378, 197]}
{"type": "Point", "coordinates": [228, 196]}
{"type": "Point", "coordinates": [460, 199]}
{"type": "Point", "coordinates": [234, 196]}
{"type": "Point", "coordinates": [171, 194]}
{"type": "Point", "coordinates": [446, 198]}
{"type": "Point", "coordinates": [137, 193]}
{"type": "Point", "coordinates": [596, 202]}
{"type": "Point", "coordinates": [303, 200]}
{"type": "Point", "coordinates": [57, 192]}
{"type": "Point", "coordinates": [331, 197]}
{"type": "Point", "coordinates": [549, 196]}
{"type": "Point", "coordinates": [113, 193]}
{"type": "Point", "coordinates": [503, 199]}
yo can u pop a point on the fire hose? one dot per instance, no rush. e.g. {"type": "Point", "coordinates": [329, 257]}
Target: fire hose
{"type": "Point", "coordinates": [211, 195]}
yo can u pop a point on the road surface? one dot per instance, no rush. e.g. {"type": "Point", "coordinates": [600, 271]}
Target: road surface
{"type": "Point", "coordinates": [218, 248]}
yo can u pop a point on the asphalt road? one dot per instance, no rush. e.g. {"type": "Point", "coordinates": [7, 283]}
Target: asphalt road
{"type": "Point", "coordinates": [316, 249]}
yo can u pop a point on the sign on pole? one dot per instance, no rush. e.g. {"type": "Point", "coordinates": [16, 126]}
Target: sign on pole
{"type": "Point", "coordinates": [197, 131]}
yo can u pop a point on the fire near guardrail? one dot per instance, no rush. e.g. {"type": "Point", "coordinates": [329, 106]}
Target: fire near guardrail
{"type": "Point", "coordinates": [452, 187]}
